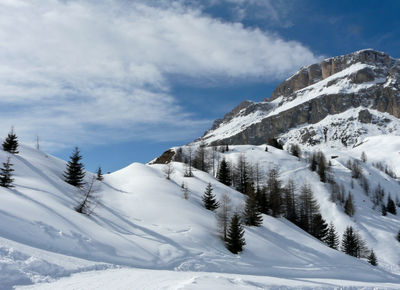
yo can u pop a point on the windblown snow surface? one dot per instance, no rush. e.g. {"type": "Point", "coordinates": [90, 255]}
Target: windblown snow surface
{"type": "Point", "coordinates": [143, 234]}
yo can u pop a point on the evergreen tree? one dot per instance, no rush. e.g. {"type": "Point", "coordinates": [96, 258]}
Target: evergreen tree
{"type": "Point", "coordinates": [363, 157]}
{"type": "Point", "coordinates": [350, 242]}
{"type": "Point", "coordinates": [372, 259]}
{"type": "Point", "coordinates": [391, 207]}
{"type": "Point", "coordinates": [74, 173]}
{"type": "Point", "coordinates": [99, 173]}
{"type": "Point", "coordinates": [383, 210]}
{"type": "Point", "coordinates": [200, 160]}
{"type": "Point", "coordinates": [313, 162]}
{"type": "Point", "coordinates": [308, 208]}
{"type": "Point", "coordinates": [209, 199]}
{"type": "Point", "coordinates": [235, 236]}
{"type": "Point", "coordinates": [290, 201]}
{"type": "Point", "coordinates": [319, 227]}
{"type": "Point", "coordinates": [251, 215]}
{"type": "Point", "coordinates": [242, 181]}
{"type": "Point", "coordinates": [398, 236]}
{"type": "Point", "coordinates": [332, 238]}
{"type": "Point", "coordinates": [274, 186]}
{"type": "Point", "coordinates": [10, 144]}
{"type": "Point", "coordinates": [262, 202]}
{"type": "Point", "coordinates": [275, 143]}
{"type": "Point", "coordinates": [322, 167]}
{"type": "Point", "coordinates": [295, 150]}
{"type": "Point", "coordinates": [224, 173]}
{"type": "Point", "coordinates": [349, 205]}
{"type": "Point", "coordinates": [6, 179]}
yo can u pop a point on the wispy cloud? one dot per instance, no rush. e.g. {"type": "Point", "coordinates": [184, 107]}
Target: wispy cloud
{"type": "Point", "coordinates": [82, 71]}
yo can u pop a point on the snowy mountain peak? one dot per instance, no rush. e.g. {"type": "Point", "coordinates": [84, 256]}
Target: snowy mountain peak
{"type": "Point", "coordinates": [358, 65]}
{"type": "Point", "coordinates": [365, 81]}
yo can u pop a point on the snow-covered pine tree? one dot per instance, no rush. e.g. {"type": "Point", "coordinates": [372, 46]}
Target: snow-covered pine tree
{"type": "Point", "coordinates": [332, 238]}
{"type": "Point", "coordinates": [6, 179]}
{"type": "Point", "coordinates": [74, 173]}
{"type": "Point", "coordinates": [235, 236]}
{"type": "Point", "coordinates": [251, 215]}
{"type": "Point", "coordinates": [10, 144]}
{"type": "Point", "coordinates": [209, 198]}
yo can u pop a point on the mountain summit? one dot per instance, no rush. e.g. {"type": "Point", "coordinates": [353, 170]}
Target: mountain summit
{"type": "Point", "coordinates": [340, 100]}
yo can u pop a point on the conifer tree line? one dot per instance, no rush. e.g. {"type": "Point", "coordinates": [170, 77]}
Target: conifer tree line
{"type": "Point", "coordinates": [267, 194]}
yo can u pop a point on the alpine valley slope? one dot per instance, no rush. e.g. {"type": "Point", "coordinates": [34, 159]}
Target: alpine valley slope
{"type": "Point", "coordinates": [142, 221]}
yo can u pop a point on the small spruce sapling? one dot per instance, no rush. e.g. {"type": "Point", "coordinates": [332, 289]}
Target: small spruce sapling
{"type": "Point", "coordinates": [209, 198]}
{"type": "Point", "coordinates": [10, 144]}
{"type": "Point", "coordinates": [372, 259]}
{"type": "Point", "coordinates": [74, 173]}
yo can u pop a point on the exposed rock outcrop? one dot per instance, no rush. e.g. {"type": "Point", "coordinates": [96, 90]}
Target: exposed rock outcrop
{"type": "Point", "coordinates": [365, 79]}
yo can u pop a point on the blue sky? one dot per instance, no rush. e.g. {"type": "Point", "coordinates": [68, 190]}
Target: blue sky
{"type": "Point", "coordinates": [126, 80]}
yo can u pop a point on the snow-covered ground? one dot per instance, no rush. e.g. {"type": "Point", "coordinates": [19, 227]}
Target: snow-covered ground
{"type": "Point", "coordinates": [142, 221]}
{"type": "Point", "coordinates": [123, 279]}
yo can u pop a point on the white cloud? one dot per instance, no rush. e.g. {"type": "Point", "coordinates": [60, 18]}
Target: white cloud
{"type": "Point", "coordinates": [86, 71]}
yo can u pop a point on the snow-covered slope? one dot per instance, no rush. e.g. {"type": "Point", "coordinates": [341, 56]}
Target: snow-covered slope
{"type": "Point", "coordinates": [142, 220]}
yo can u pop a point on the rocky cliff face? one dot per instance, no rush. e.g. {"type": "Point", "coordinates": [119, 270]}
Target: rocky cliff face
{"type": "Point", "coordinates": [364, 83]}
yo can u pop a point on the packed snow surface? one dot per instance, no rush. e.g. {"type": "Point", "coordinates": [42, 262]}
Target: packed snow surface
{"type": "Point", "coordinates": [141, 220]}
